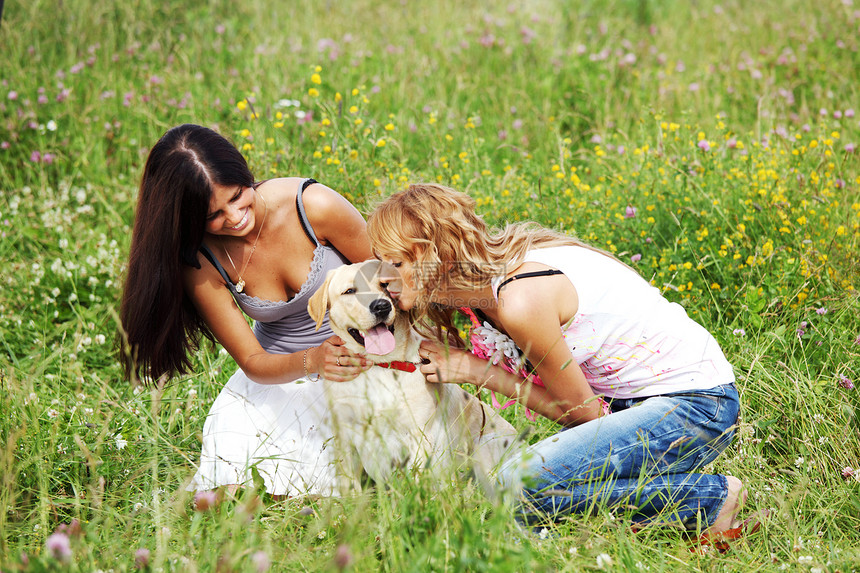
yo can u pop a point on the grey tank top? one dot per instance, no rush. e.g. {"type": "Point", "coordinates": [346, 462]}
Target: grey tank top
{"type": "Point", "coordinates": [284, 326]}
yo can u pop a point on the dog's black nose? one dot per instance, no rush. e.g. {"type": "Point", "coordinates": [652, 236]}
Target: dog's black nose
{"type": "Point", "coordinates": [380, 308]}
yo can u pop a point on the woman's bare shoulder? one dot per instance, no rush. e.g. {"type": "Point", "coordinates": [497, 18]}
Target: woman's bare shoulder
{"type": "Point", "coordinates": [280, 189]}
{"type": "Point", "coordinates": [206, 274]}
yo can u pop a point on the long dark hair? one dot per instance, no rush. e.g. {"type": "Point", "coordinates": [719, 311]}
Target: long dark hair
{"type": "Point", "coordinates": [159, 322]}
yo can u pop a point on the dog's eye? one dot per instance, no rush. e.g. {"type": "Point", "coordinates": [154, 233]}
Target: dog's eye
{"type": "Point", "coordinates": [349, 291]}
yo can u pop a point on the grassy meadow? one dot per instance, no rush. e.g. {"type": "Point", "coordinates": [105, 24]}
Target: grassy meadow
{"type": "Point", "coordinates": [711, 145]}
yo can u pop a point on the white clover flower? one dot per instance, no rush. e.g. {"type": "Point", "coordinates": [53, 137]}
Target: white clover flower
{"type": "Point", "coordinates": [604, 560]}
{"type": "Point", "coordinates": [121, 442]}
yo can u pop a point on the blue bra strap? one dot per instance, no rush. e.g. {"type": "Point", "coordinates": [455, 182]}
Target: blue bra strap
{"type": "Point", "coordinates": [300, 207]}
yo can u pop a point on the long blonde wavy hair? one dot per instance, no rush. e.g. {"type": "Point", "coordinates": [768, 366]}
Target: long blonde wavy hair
{"type": "Point", "coordinates": [438, 230]}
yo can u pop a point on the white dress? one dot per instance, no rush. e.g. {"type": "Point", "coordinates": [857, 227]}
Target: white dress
{"type": "Point", "coordinates": [281, 432]}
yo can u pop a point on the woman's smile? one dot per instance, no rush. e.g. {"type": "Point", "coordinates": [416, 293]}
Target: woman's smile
{"type": "Point", "coordinates": [243, 222]}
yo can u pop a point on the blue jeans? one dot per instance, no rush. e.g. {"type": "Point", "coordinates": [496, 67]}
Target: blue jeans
{"type": "Point", "coordinates": [639, 458]}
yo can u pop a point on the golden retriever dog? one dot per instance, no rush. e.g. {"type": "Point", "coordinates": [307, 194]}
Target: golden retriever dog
{"type": "Point", "coordinates": [389, 417]}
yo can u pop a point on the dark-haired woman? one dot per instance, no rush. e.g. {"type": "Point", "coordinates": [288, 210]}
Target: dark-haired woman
{"type": "Point", "coordinates": [211, 246]}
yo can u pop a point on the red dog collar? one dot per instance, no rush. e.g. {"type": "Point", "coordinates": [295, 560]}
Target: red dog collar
{"type": "Point", "coordinates": [399, 365]}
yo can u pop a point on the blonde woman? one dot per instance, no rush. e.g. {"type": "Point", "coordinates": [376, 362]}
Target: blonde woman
{"type": "Point", "coordinates": [644, 394]}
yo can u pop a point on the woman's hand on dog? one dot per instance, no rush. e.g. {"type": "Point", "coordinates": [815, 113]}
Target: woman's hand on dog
{"type": "Point", "coordinates": [335, 362]}
{"type": "Point", "coordinates": [441, 364]}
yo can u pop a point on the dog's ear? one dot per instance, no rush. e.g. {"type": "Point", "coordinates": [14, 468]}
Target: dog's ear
{"type": "Point", "coordinates": [318, 303]}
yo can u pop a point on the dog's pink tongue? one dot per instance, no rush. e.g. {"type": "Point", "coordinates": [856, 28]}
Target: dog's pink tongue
{"type": "Point", "coordinates": [379, 340]}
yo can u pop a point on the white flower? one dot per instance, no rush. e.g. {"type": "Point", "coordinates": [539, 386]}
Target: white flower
{"type": "Point", "coordinates": [51, 125]}
{"type": "Point", "coordinates": [604, 560]}
{"type": "Point", "coordinates": [120, 441]}
{"type": "Point", "coordinates": [499, 344]}
{"type": "Point", "coordinates": [544, 533]}
{"type": "Point", "coordinates": [798, 462]}
{"type": "Point", "coordinates": [805, 559]}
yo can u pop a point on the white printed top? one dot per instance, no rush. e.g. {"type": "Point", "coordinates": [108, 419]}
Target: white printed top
{"type": "Point", "coordinates": [627, 338]}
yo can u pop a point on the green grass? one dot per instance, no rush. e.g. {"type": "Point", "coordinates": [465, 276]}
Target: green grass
{"type": "Point", "coordinates": [563, 112]}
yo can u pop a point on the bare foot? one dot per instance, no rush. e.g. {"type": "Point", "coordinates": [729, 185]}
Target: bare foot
{"type": "Point", "coordinates": [735, 500]}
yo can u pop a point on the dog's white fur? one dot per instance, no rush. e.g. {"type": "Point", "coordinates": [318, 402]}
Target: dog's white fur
{"type": "Point", "coordinates": [387, 419]}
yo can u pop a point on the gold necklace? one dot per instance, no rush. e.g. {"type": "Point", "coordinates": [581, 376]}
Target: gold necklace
{"type": "Point", "coordinates": [240, 284]}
